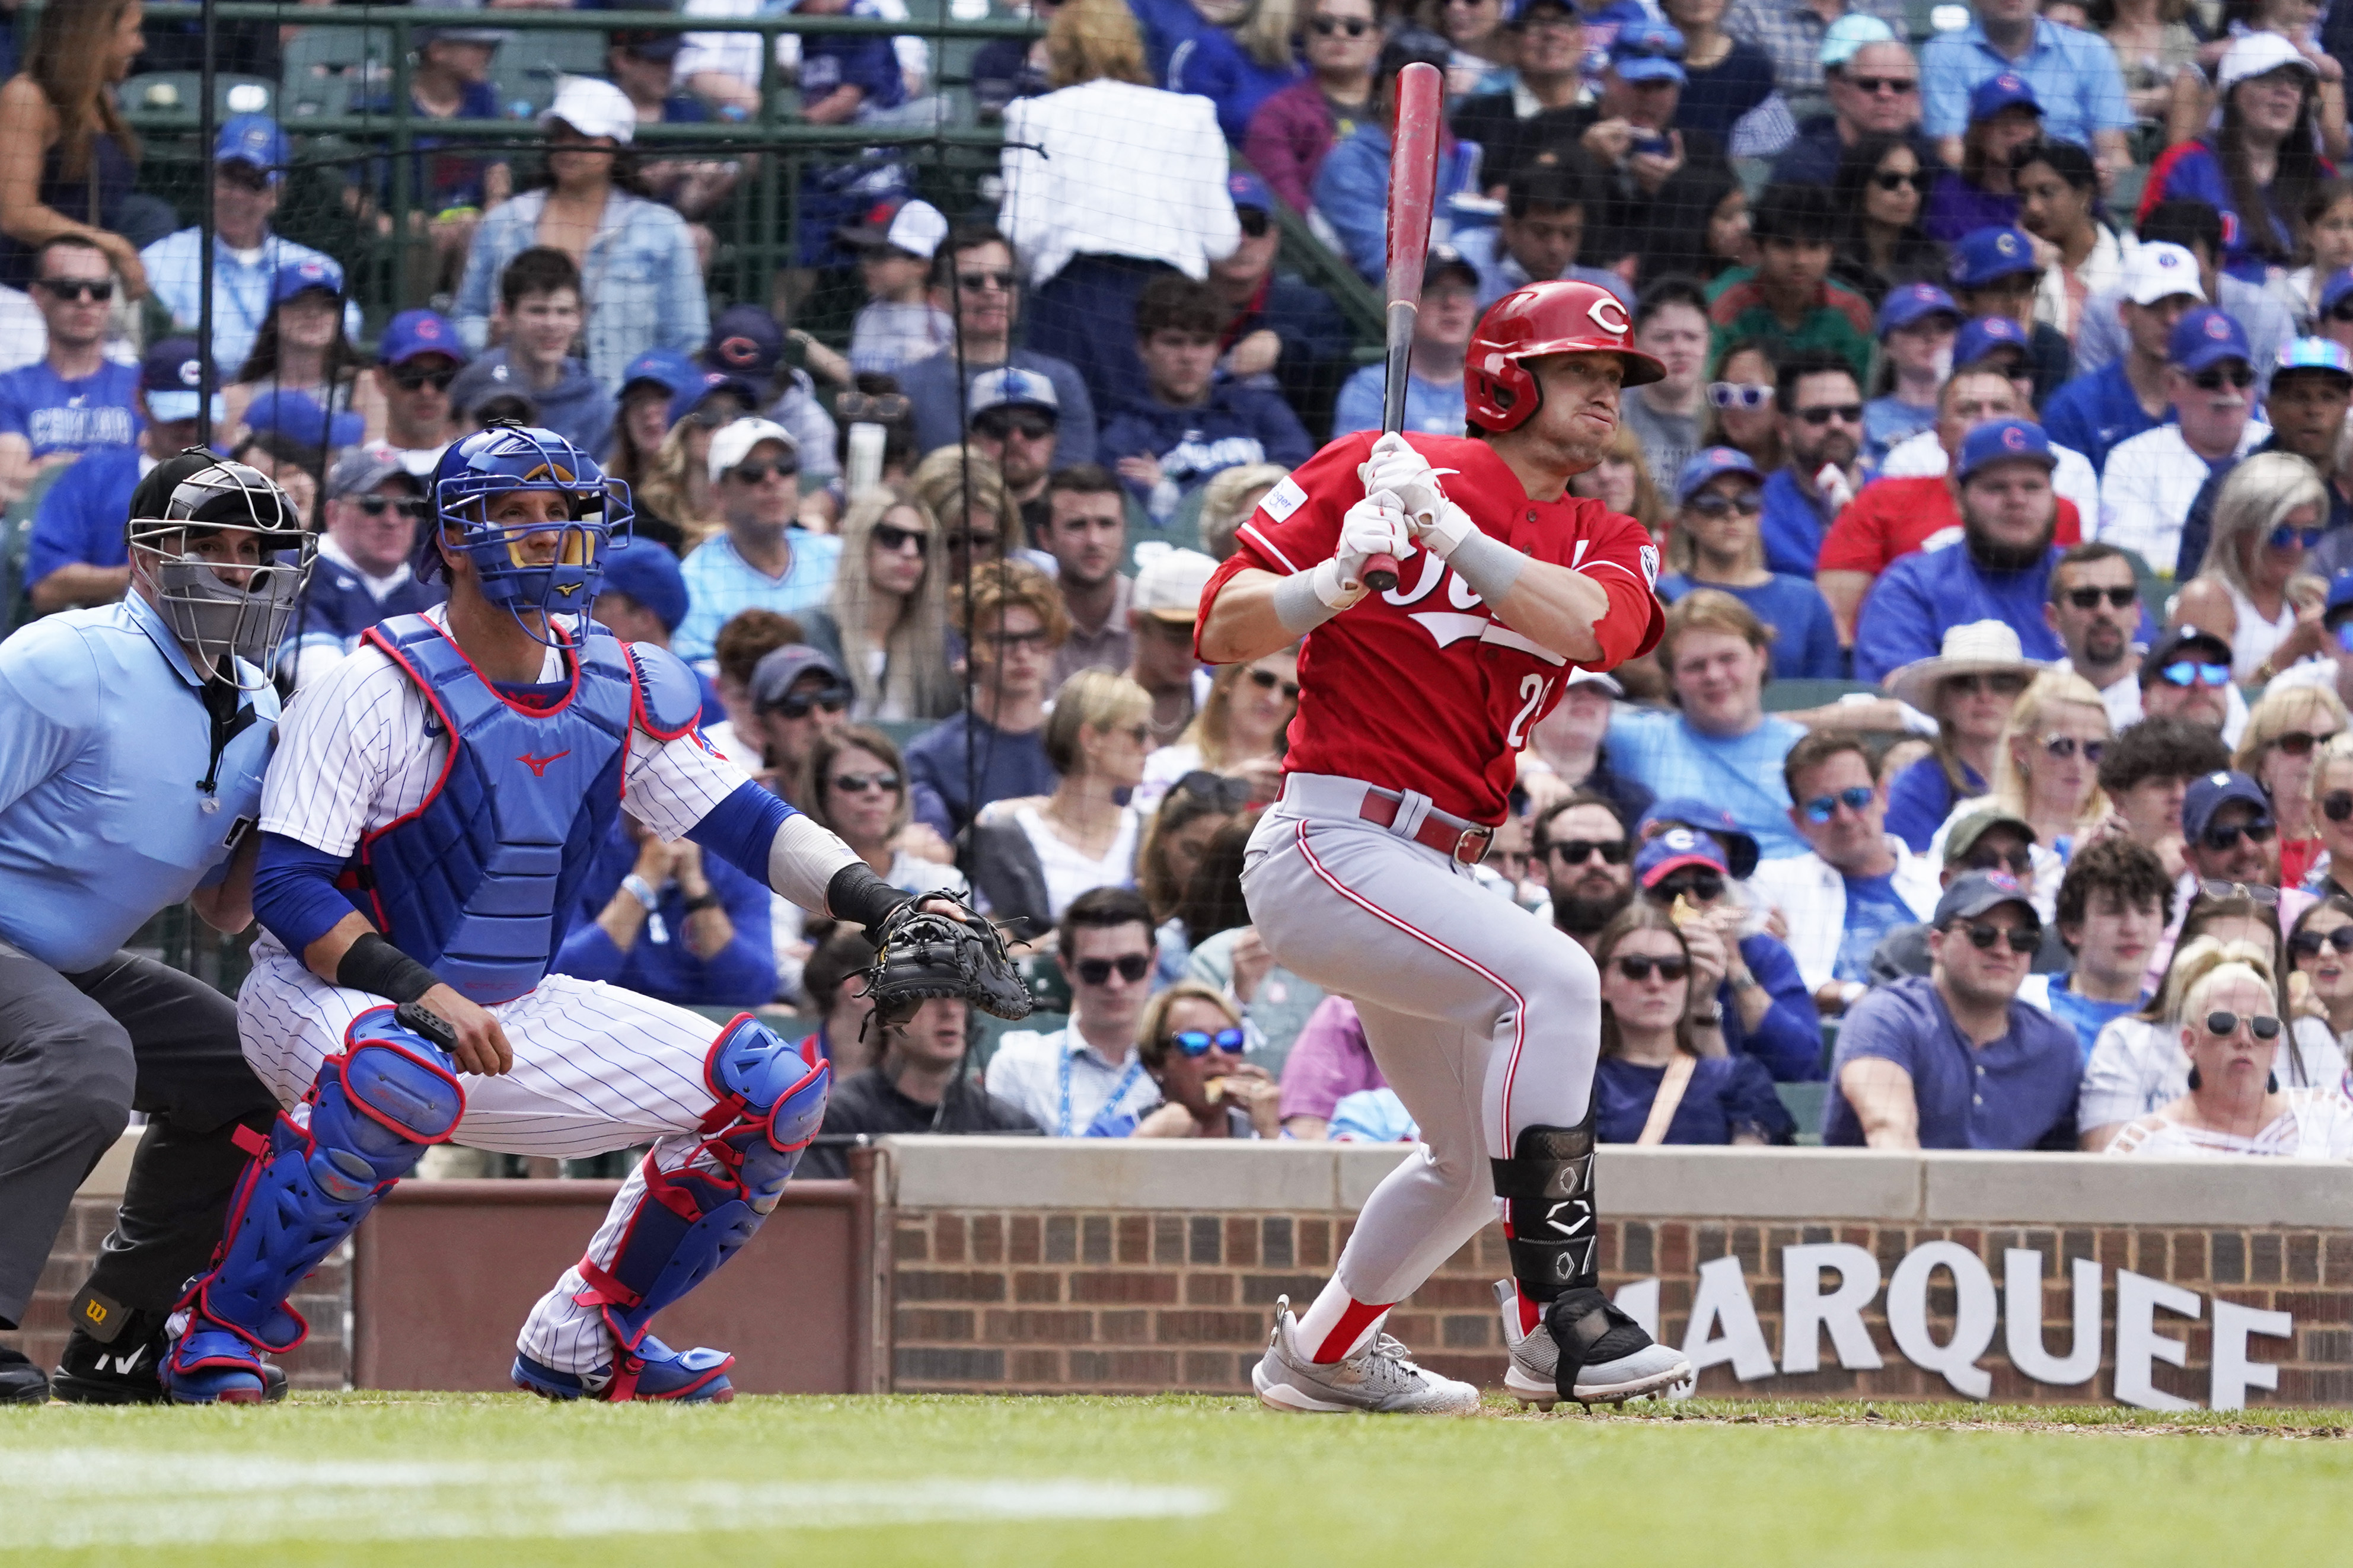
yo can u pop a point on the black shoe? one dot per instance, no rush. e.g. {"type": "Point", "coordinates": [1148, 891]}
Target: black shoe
{"type": "Point", "coordinates": [92, 1373]}
{"type": "Point", "coordinates": [21, 1382]}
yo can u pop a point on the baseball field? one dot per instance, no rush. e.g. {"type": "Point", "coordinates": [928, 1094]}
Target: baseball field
{"type": "Point", "coordinates": [450, 1480]}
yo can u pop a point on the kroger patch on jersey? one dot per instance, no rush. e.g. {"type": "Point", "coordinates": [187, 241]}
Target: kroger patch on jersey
{"type": "Point", "coordinates": [1284, 499]}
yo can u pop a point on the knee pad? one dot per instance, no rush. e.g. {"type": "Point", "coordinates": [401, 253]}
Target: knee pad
{"type": "Point", "coordinates": [376, 1107]}
{"type": "Point", "coordinates": [693, 1219]}
{"type": "Point", "coordinates": [1546, 1187]}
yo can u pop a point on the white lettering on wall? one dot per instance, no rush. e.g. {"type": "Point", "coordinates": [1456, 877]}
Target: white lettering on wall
{"type": "Point", "coordinates": [2139, 1345]}
{"type": "Point", "coordinates": [1805, 1311]}
{"type": "Point", "coordinates": [2232, 1373]}
{"type": "Point", "coordinates": [2022, 1290]}
{"type": "Point", "coordinates": [1974, 1315]}
{"type": "Point", "coordinates": [1722, 1302]}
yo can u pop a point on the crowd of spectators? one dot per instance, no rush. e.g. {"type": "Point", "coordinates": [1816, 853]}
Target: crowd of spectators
{"type": "Point", "coordinates": [1989, 775]}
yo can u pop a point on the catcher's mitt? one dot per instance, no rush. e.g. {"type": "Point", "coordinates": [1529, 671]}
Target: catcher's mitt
{"type": "Point", "coordinates": [922, 953]}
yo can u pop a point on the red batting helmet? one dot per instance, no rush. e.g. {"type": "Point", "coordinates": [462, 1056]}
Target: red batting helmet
{"type": "Point", "coordinates": [1551, 318]}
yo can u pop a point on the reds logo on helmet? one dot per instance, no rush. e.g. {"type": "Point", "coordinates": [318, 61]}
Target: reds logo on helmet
{"type": "Point", "coordinates": [1549, 318]}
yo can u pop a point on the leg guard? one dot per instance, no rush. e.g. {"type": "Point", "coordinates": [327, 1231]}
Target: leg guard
{"type": "Point", "coordinates": [696, 1217]}
{"type": "Point", "coordinates": [1547, 1191]}
{"type": "Point", "coordinates": [373, 1111]}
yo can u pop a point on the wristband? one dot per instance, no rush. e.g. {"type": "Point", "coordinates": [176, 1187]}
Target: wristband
{"type": "Point", "coordinates": [708, 901]}
{"type": "Point", "coordinates": [374, 966]}
{"type": "Point", "coordinates": [856, 893]}
{"type": "Point", "coordinates": [637, 887]}
{"type": "Point", "coordinates": [1306, 600]}
{"type": "Point", "coordinates": [1488, 565]}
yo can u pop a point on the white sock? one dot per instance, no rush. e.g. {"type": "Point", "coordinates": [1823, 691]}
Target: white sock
{"type": "Point", "coordinates": [1336, 1323]}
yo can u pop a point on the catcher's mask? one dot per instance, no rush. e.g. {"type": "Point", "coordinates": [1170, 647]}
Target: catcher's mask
{"type": "Point", "coordinates": [185, 533]}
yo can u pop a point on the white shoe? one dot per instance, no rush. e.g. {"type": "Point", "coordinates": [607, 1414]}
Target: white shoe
{"type": "Point", "coordinates": [1377, 1378]}
{"type": "Point", "coordinates": [1628, 1370]}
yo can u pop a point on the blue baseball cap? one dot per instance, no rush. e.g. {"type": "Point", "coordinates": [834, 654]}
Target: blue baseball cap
{"type": "Point", "coordinates": [663, 367]}
{"type": "Point", "coordinates": [172, 376]}
{"type": "Point", "coordinates": [1975, 892]}
{"type": "Point", "coordinates": [1913, 302]}
{"type": "Point", "coordinates": [1986, 253]}
{"type": "Point", "coordinates": [1249, 191]}
{"type": "Point", "coordinates": [707, 382]}
{"type": "Point", "coordinates": [2002, 92]}
{"type": "Point", "coordinates": [1515, 12]}
{"type": "Point", "coordinates": [1707, 464]}
{"type": "Point", "coordinates": [1647, 50]}
{"type": "Point", "coordinates": [254, 139]}
{"type": "Point", "coordinates": [2204, 337]}
{"type": "Point", "coordinates": [1984, 336]}
{"type": "Point", "coordinates": [297, 415]}
{"type": "Point", "coordinates": [1673, 849]}
{"type": "Point", "coordinates": [649, 575]}
{"type": "Point", "coordinates": [413, 333]}
{"type": "Point", "coordinates": [2324, 354]}
{"type": "Point", "coordinates": [1739, 845]}
{"type": "Point", "coordinates": [2335, 289]}
{"type": "Point", "coordinates": [2003, 441]}
{"type": "Point", "coordinates": [2210, 793]}
{"type": "Point", "coordinates": [309, 272]}
{"type": "Point", "coordinates": [747, 342]}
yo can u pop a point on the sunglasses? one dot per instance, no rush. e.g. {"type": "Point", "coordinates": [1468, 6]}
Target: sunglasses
{"type": "Point", "coordinates": [1899, 182]}
{"type": "Point", "coordinates": [1229, 794]}
{"type": "Point", "coordinates": [2299, 742]}
{"type": "Point", "coordinates": [65, 289]}
{"type": "Point", "coordinates": [1036, 639]}
{"type": "Point", "coordinates": [999, 425]}
{"type": "Point", "coordinates": [2190, 673]}
{"type": "Point", "coordinates": [1738, 394]}
{"type": "Point", "coordinates": [1898, 86]}
{"type": "Point", "coordinates": [712, 418]}
{"type": "Point", "coordinates": [417, 380]}
{"type": "Point", "coordinates": [1130, 966]}
{"type": "Point", "coordinates": [2284, 537]}
{"type": "Point", "coordinates": [2064, 747]}
{"type": "Point", "coordinates": [757, 473]}
{"type": "Point", "coordinates": [2343, 312]}
{"type": "Point", "coordinates": [375, 506]}
{"type": "Point", "coordinates": [1638, 970]}
{"type": "Point", "coordinates": [2262, 893]}
{"type": "Point", "coordinates": [2308, 943]}
{"type": "Point", "coordinates": [1979, 685]}
{"type": "Point", "coordinates": [1700, 887]}
{"type": "Point", "coordinates": [1578, 851]}
{"type": "Point", "coordinates": [1326, 26]}
{"type": "Point", "coordinates": [2223, 1024]}
{"type": "Point", "coordinates": [1200, 1042]}
{"type": "Point", "coordinates": [967, 539]}
{"type": "Point", "coordinates": [1661, 51]}
{"type": "Point", "coordinates": [1267, 680]}
{"type": "Point", "coordinates": [2261, 830]}
{"type": "Point", "coordinates": [1747, 504]}
{"type": "Point", "coordinates": [975, 281]}
{"type": "Point", "coordinates": [894, 539]}
{"type": "Point", "coordinates": [2017, 862]}
{"type": "Point", "coordinates": [2021, 938]}
{"type": "Point", "coordinates": [1844, 413]}
{"type": "Point", "coordinates": [2238, 378]}
{"type": "Point", "coordinates": [872, 407]}
{"type": "Point", "coordinates": [859, 783]}
{"type": "Point", "coordinates": [832, 699]}
{"type": "Point", "coordinates": [1254, 221]}
{"type": "Point", "coordinates": [2338, 804]}
{"type": "Point", "coordinates": [1822, 807]}
{"type": "Point", "coordinates": [2089, 598]}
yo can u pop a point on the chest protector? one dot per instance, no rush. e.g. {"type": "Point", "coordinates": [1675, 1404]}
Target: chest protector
{"type": "Point", "coordinates": [478, 882]}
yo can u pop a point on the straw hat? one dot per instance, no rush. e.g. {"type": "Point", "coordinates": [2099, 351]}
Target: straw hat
{"type": "Point", "coordinates": [1972, 648]}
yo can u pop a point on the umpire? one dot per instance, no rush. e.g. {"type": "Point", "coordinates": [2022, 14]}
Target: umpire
{"type": "Point", "coordinates": [132, 739]}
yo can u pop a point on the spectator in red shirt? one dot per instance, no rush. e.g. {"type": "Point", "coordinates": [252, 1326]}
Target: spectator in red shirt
{"type": "Point", "coordinates": [1295, 128]}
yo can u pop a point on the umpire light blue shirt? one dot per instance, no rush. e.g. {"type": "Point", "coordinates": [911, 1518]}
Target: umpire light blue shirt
{"type": "Point", "coordinates": [2073, 75]}
{"type": "Point", "coordinates": [103, 737]}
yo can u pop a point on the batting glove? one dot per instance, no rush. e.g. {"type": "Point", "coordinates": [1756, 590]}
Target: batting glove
{"type": "Point", "coordinates": [1373, 526]}
{"type": "Point", "coordinates": [1405, 474]}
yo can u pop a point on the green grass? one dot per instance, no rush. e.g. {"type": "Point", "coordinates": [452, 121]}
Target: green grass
{"type": "Point", "coordinates": [454, 1480]}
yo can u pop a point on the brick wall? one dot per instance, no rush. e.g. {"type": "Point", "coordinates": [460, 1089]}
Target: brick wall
{"type": "Point", "coordinates": [318, 1362]}
{"type": "Point", "coordinates": [1126, 1301]}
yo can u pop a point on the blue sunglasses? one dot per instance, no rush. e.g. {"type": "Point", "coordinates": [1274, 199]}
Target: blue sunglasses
{"type": "Point", "coordinates": [1197, 1042]}
{"type": "Point", "coordinates": [2186, 673]}
{"type": "Point", "coordinates": [1854, 797]}
{"type": "Point", "coordinates": [2284, 536]}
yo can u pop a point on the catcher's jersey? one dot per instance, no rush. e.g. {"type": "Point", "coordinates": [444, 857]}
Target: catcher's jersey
{"type": "Point", "coordinates": [360, 746]}
{"type": "Point", "coordinates": [1422, 688]}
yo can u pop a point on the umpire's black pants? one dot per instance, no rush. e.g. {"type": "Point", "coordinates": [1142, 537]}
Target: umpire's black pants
{"type": "Point", "coordinates": [78, 1053]}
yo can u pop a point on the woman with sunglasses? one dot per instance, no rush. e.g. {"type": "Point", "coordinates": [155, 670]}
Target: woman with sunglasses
{"type": "Point", "coordinates": [1032, 857]}
{"type": "Point", "coordinates": [2332, 817]}
{"type": "Point", "coordinates": [886, 626]}
{"type": "Point", "coordinates": [2281, 750]}
{"type": "Point", "coordinates": [1740, 411]}
{"type": "Point", "coordinates": [2233, 1102]}
{"type": "Point", "coordinates": [857, 788]}
{"type": "Point", "coordinates": [2251, 587]}
{"type": "Point", "coordinates": [1879, 186]}
{"type": "Point", "coordinates": [1716, 543]}
{"type": "Point", "coordinates": [2320, 956]}
{"type": "Point", "coordinates": [1764, 1012]}
{"type": "Point", "coordinates": [1664, 1076]}
{"type": "Point", "coordinates": [1970, 689]}
{"type": "Point", "coordinates": [2258, 165]}
{"type": "Point", "coordinates": [1621, 481]}
{"type": "Point", "coordinates": [2046, 773]}
{"type": "Point", "coordinates": [1191, 1041]}
{"type": "Point", "coordinates": [1239, 731]}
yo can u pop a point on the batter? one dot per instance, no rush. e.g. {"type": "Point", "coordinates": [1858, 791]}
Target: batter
{"type": "Point", "coordinates": [1413, 707]}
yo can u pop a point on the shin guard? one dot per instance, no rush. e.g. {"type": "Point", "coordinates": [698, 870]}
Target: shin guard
{"type": "Point", "coordinates": [375, 1109]}
{"type": "Point", "coordinates": [1547, 1191]}
{"type": "Point", "coordinates": [694, 1218]}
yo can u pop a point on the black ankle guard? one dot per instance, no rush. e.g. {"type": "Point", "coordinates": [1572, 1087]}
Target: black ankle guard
{"type": "Point", "coordinates": [1586, 1328]}
{"type": "Point", "coordinates": [1547, 1191]}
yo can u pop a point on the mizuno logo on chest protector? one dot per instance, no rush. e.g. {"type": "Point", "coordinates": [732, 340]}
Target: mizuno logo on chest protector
{"type": "Point", "coordinates": [539, 765]}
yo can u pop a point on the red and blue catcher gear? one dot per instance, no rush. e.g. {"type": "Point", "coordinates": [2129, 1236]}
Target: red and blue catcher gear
{"type": "Point", "coordinates": [476, 883]}
{"type": "Point", "coordinates": [695, 1218]}
{"type": "Point", "coordinates": [1498, 392]}
{"type": "Point", "coordinates": [499, 460]}
{"type": "Point", "coordinates": [376, 1107]}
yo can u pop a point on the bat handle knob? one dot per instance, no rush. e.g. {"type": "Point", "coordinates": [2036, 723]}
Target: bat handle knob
{"type": "Point", "coordinates": [1381, 573]}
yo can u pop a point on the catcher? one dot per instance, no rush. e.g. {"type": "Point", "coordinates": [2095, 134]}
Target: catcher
{"type": "Point", "coordinates": [431, 806]}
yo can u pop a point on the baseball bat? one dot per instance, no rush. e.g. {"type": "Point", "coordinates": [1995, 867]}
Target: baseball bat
{"type": "Point", "coordinates": [1413, 192]}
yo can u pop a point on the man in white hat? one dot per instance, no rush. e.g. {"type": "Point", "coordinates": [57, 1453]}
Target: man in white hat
{"type": "Point", "coordinates": [2098, 408]}
{"type": "Point", "coordinates": [765, 560]}
{"type": "Point", "coordinates": [1161, 613]}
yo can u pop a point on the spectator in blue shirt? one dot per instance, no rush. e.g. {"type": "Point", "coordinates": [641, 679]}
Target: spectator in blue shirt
{"type": "Point", "coordinates": [1819, 402]}
{"type": "Point", "coordinates": [1767, 1014]}
{"type": "Point", "coordinates": [975, 278]}
{"type": "Point", "coordinates": [417, 361]}
{"type": "Point", "coordinates": [1442, 332]}
{"type": "Point", "coordinates": [1651, 968]}
{"type": "Point", "coordinates": [1235, 57]}
{"type": "Point", "coordinates": [1547, 210]}
{"type": "Point", "coordinates": [763, 558]}
{"type": "Point", "coordinates": [1718, 744]}
{"type": "Point", "coordinates": [845, 79]}
{"type": "Point", "coordinates": [1916, 327]}
{"type": "Point", "coordinates": [663, 921]}
{"type": "Point", "coordinates": [2073, 75]}
{"type": "Point", "coordinates": [2114, 906]}
{"type": "Point", "coordinates": [1188, 425]}
{"type": "Point", "coordinates": [75, 399]}
{"type": "Point", "coordinates": [2099, 409]}
{"type": "Point", "coordinates": [374, 507]}
{"type": "Point", "coordinates": [1351, 188]}
{"type": "Point", "coordinates": [1994, 276]}
{"type": "Point", "coordinates": [2000, 571]}
{"type": "Point", "coordinates": [1715, 544]}
{"type": "Point", "coordinates": [76, 554]}
{"type": "Point", "coordinates": [539, 299]}
{"type": "Point", "coordinates": [1015, 621]}
{"type": "Point", "coordinates": [1954, 1059]}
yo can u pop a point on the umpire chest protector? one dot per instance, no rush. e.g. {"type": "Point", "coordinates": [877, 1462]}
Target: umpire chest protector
{"type": "Point", "coordinates": [476, 883]}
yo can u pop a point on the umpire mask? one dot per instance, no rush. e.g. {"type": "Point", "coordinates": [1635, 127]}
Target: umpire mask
{"type": "Point", "coordinates": [188, 519]}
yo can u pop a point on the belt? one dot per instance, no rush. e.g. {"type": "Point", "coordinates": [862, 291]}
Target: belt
{"type": "Point", "coordinates": [1465, 846]}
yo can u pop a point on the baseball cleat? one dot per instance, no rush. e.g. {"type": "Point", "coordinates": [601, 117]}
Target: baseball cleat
{"type": "Point", "coordinates": [91, 1373]}
{"type": "Point", "coordinates": [655, 1371]}
{"type": "Point", "coordinates": [21, 1383]}
{"type": "Point", "coordinates": [1621, 1361]}
{"type": "Point", "coordinates": [1377, 1378]}
{"type": "Point", "coordinates": [212, 1364]}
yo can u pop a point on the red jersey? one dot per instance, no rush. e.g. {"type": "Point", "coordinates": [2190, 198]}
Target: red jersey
{"type": "Point", "coordinates": [1892, 518]}
{"type": "Point", "coordinates": [1422, 688]}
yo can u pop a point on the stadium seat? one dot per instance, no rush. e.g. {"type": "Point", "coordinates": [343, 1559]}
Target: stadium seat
{"type": "Point", "coordinates": [176, 94]}
{"type": "Point", "coordinates": [1789, 696]}
{"type": "Point", "coordinates": [1804, 1103]}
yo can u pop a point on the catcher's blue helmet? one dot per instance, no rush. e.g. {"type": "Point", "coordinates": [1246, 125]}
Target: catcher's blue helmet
{"type": "Point", "coordinates": [503, 458]}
